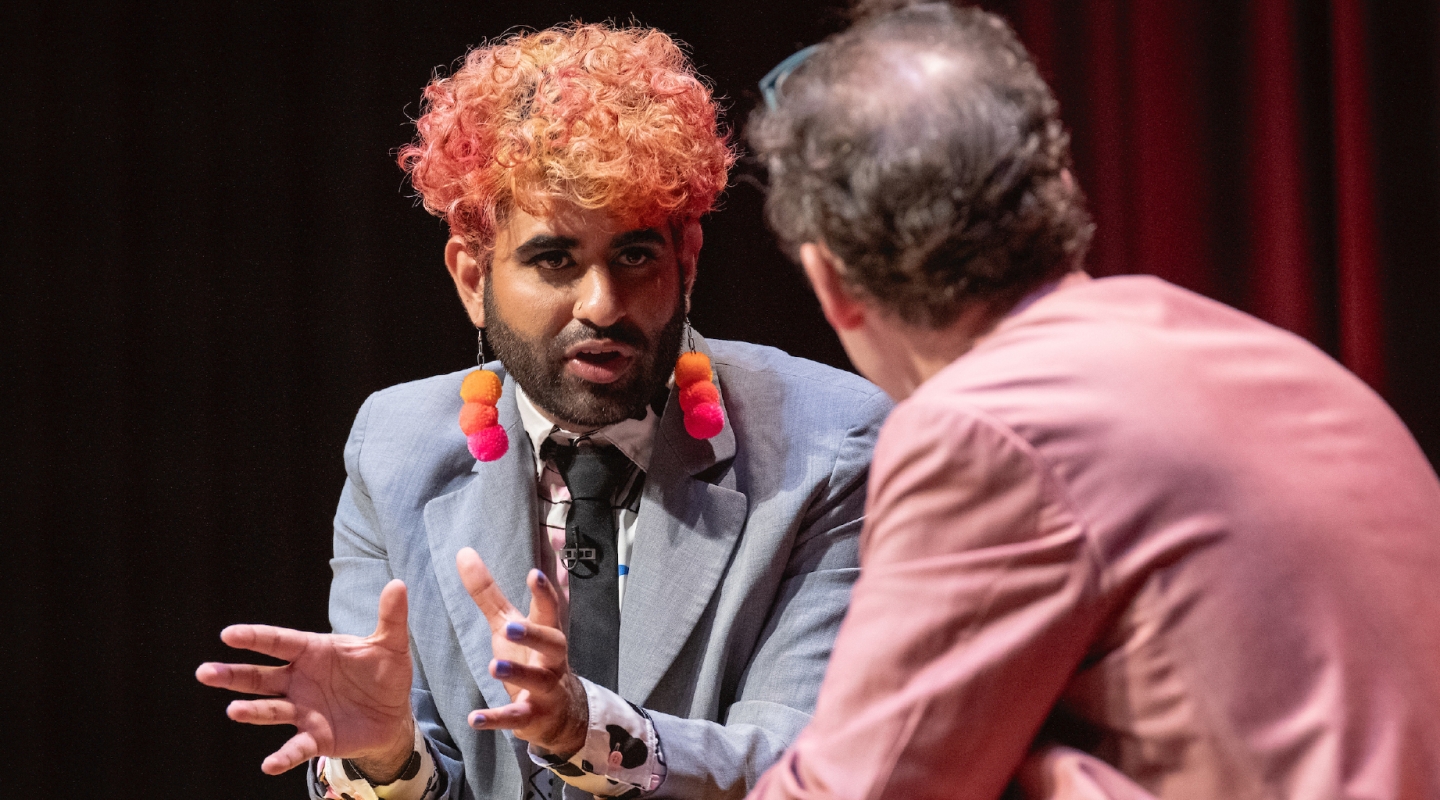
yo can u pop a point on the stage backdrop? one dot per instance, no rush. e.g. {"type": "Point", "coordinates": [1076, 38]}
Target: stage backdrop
{"type": "Point", "coordinates": [210, 260]}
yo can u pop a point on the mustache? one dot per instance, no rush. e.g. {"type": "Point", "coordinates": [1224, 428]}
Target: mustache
{"type": "Point", "coordinates": [624, 332]}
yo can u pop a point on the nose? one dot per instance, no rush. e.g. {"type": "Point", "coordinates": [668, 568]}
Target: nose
{"type": "Point", "coordinates": [596, 301]}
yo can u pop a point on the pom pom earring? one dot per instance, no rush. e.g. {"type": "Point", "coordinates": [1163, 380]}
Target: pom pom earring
{"type": "Point", "coordinates": [699, 399]}
{"type": "Point", "coordinates": [479, 419]}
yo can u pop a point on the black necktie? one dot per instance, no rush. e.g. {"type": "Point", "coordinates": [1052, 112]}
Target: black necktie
{"type": "Point", "coordinates": [593, 474]}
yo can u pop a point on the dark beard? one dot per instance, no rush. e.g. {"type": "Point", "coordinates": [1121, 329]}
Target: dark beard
{"type": "Point", "coordinates": [539, 367]}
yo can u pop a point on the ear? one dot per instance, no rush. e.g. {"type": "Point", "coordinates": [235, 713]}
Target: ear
{"type": "Point", "coordinates": [842, 309]}
{"type": "Point", "coordinates": [469, 277]}
{"type": "Point", "coordinates": [687, 250]}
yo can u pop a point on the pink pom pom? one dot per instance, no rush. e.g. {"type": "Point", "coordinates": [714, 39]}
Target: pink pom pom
{"type": "Point", "coordinates": [705, 420]}
{"type": "Point", "coordinates": [488, 444]}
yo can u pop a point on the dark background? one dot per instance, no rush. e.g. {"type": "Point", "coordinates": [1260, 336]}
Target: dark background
{"type": "Point", "coordinates": [210, 260]}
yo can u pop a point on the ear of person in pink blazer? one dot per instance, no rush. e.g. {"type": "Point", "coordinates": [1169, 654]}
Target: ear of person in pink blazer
{"type": "Point", "coordinates": [1137, 543]}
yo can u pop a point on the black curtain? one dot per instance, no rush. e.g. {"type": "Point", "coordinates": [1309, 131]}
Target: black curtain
{"type": "Point", "coordinates": [210, 260]}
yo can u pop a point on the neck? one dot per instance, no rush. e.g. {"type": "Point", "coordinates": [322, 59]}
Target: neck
{"type": "Point", "coordinates": [525, 400]}
{"type": "Point", "coordinates": [565, 424]}
{"type": "Point", "coordinates": [913, 354]}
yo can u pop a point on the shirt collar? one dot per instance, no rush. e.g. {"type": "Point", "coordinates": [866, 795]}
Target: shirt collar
{"type": "Point", "coordinates": [633, 437]}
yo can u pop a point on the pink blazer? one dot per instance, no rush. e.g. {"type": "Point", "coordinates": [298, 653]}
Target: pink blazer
{"type": "Point", "coordinates": [1137, 528]}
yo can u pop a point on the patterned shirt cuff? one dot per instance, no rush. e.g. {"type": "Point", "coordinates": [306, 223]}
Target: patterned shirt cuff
{"type": "Point", "coordinates": [335, 782]}
{"type": "Point", "coordinates": [621, 756]}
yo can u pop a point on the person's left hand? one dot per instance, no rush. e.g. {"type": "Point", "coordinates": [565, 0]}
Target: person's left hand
{"type": "Point", "coordinates": [547, 705]}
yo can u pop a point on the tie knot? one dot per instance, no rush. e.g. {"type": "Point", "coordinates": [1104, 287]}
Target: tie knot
{"type": "Point", "coordinates": [591, 471]}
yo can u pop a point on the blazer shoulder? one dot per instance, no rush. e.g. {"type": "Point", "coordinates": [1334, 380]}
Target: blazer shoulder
{"type": "Point", "coordinates": [421, 390]}
{"type": "Point", "coordinates": [408, 431]}
{"type": "Point", "coordinates": [415, 408]}
{"type": "Point", "coordinates": [747, 364]}
{"type": "Point", "coordinates": [772, 395]}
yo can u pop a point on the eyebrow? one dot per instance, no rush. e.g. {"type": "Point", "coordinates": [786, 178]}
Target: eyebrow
{"type": "Point", "coordinates": [542, 242]}
{"type": "Point", "coordinates": [641, 236]}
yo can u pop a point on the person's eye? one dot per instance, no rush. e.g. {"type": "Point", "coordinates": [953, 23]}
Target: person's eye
{"type": "Point", "coordinates": [553, 260]}
{"type": "Point", "coordinates": [635, 257]}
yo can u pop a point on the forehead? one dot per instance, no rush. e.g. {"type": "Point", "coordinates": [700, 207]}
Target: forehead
{"type": "Point", "coordinates": [567, 220]}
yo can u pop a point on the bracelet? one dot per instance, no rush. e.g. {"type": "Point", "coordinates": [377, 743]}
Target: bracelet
{"type": "Point", "coordinates": [408, 771]}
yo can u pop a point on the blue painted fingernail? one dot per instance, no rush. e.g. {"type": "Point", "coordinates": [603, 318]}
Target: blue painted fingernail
{"type": "Point", "coordinates": [514, 631]}
{"type": "Point", "coordinates": [502, 669]}
{"type": "Point", "coordinates": [477, 720]}
{"type": "Point", "coordinates": [540, 579]}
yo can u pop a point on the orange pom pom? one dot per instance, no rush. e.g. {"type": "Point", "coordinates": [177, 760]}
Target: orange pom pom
{"type": "Point", "coordinates": [481, 386]}
{"type": "Point", "coordinates": [692, 368]}
{"type": "Point", "coordinates": [474, 416]}
{"type": "Point", "coordinates": [697, 393]}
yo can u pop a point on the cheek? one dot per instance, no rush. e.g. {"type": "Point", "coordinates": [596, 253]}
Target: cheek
{"type": "Point", "coordinates": [532, 309]}
{"type": "Point", "coordinates": [653, 300]}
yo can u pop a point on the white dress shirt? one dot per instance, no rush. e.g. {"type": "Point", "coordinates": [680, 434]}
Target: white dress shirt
{"type": "Point", "coordinates": [633, 437]}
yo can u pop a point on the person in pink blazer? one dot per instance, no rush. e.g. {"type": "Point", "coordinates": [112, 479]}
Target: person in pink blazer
{"type": "Point", "coordinates": [1121, 541]}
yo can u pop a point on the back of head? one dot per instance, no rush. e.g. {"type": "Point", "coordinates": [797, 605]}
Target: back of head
{"type": "Point", "coordinates": [602, 117]}
{"type": "Point", "coordinates": [923, 148]}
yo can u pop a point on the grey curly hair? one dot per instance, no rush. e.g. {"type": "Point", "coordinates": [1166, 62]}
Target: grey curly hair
{"type": "Point", "coordinates": [922, 147]}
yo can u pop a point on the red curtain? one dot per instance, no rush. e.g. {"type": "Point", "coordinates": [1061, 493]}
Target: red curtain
{"type": "Point", "coordinates": [1228, 147]}
{"type": "Point", "coordinates": [1361, 335]}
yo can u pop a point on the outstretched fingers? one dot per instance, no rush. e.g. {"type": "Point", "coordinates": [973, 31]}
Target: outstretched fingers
{"type": "Point", "coordinates": [282, 643]}
{"type": "Point", "coordinates": [544, 601]}
{"type": "Point", "coordinates": [524, 676]}
{"type": "Point", "coordinates": [548, 642]}
{"type": "Point", "coordinates": [246, 678]}
{"type": "Point", "coordinates": [484, 590]}
{"type": "Point", "coordinates": [297, 751]}
{"type": "Point", "coordinates": [511, 716]}
{"type": "Point", "coordinates": [262, 712]}
{"type": "Point", "coordinates": [392, 628]}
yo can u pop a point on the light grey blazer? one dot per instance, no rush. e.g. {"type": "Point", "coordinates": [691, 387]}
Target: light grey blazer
{"type": "Point", "coordinates": [745, 551]}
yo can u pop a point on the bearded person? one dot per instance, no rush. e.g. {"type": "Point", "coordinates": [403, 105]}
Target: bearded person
{"type": "Point", "coordinates": [680, 515]}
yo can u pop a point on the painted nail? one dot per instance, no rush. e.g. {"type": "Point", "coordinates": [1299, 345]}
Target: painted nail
{"type": "Point", "coordinates": [502, 669]}
{"type": "Point", "coordinates": [477, 720]}
{"type": "Point", "coordinates": [514, 631]}
{"type": "Point", "coordinates": [540, 579]}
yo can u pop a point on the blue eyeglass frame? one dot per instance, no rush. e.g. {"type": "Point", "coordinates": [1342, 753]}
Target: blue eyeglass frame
{"type": "Point", "coordinates": [775, 78]}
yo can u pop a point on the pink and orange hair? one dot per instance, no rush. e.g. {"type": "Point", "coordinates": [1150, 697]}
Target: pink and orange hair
{"type": "Point", "coordinates": [603, 117]}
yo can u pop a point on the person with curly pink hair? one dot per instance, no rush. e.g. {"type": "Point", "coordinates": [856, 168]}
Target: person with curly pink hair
{"type": "Point", "coordinates": [586, 115]}
{"type": "Point", "coordinates": [686, 571]}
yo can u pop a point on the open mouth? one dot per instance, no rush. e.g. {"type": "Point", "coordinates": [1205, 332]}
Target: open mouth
{"type": "Point", "coordinates": [600, 361]}
{"type": "Point", "coordinates": [604, 357]}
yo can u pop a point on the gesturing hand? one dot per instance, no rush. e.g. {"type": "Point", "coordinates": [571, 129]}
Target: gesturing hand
{"type": "Point", "coordinates": [547, 702]}
{"type": "Point", "coordinates": [348, 696]}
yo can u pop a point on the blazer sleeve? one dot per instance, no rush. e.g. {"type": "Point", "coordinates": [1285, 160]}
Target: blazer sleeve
{"type": "Point", "coordinates": [361, 568]}
{"type": "Point", "coordinates": [779, 686]}
{"type": "Point", "coordinates": [977, 601]}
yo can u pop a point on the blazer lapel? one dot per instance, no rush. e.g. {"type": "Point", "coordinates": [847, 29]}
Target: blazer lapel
{"type": "Point", "coordinates": [494, 512]}
{"type": "Point", "coordinates": [685, 533]}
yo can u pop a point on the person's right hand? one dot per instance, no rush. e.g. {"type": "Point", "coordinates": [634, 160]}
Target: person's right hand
{"type": "Point", "coordinates": [348, 696]}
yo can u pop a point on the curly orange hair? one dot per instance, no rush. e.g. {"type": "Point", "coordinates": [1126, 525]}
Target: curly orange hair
{"type": "Point", "coordinates": [606, 118]}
